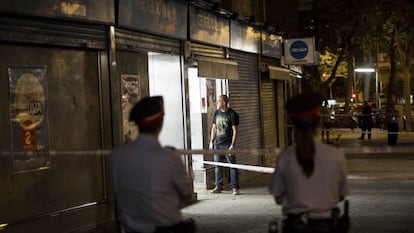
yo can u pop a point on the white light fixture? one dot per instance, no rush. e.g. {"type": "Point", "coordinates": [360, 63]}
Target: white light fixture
{"type": "Point", "coordinates": [365, 70]}
{"type": "Point", "coordinates": [371, 70]}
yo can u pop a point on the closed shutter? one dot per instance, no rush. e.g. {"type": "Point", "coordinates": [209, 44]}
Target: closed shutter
{"type": "Point", "coordinates": [53, 32]}
{"type": "Point", "coordinates": [205, 50]}
{"type": "Point", "coordinates": [140, 42]}
{"type": "Point", "coordinates": [245, 99]}
{"type": "Point", "coordinates": [269, 113]}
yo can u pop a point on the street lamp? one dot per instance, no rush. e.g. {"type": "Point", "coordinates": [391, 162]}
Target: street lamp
{"type": "Point", "coordinates": [371, 70]}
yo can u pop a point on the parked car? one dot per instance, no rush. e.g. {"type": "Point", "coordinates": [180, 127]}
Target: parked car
{"type": "Point", "coordinates": [340, 119]}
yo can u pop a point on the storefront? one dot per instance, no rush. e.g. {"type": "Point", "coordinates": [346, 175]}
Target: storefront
{"type": "Point", "coordinates": [276, 86]}
{"type": "Point", "coordinates": [54, 89]}
{"type": "Point", "coordinates": [245, 92]}
{"type": "Point", "coordinates": [149, 62]}
{"type": "Point", "coordinates": [222, 59]}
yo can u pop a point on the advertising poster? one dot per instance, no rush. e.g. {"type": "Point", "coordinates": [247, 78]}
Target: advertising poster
{"type": "Point", "coordinates": [28, 115]}
{"type": "Point", "coordinates": [130, 89]}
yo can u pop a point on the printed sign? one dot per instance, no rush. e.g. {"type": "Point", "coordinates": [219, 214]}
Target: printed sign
{"type": "Point", "coordinates": [300, 51]}
{"type": "Point", "coordinates": [29, 124]}
{"type": "Point", "coordinates": [130, 88]}
{"type": "Point", "coordinates": [155, 16]}
{"type": "Point", "coordinates": [271, 45]}
{"type": "Point", "coordinates": [208, 27]}
{"type": "Point", "coordinates": [244, 37]}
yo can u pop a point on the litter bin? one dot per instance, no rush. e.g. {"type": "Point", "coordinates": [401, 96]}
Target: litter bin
{"type": "Point", "coordinates": [392, 128]}
{"type": "Point", "coordinates": [392, 125]}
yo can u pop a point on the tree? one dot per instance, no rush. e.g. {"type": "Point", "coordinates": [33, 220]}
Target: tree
{"type": "Point", "coordinates": [404, 40]}
{"type": "Point", "coordinates": [396, 26]}
{"type": "Point", "coordinates": [342, 27]}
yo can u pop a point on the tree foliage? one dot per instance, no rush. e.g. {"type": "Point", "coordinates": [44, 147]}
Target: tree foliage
{"type": "Point", "coordinates": [352, 32]}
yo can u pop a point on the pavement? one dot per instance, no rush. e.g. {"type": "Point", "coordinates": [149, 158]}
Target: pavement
{"type": "Point", "coordinates": [344, 137]}
{"type": "Point", "coordinates": [376, 206]}
{"type": "Point", "coordinates": [381, 199]}
{"type": "Point", "coordinates": [381, 184]}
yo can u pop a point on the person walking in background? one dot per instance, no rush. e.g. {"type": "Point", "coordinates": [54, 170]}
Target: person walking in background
{"type": "Point", "coordinates": [310, 177]}
{"type": "Point", "coordinates": [326, 121]}
{"type": "Point", "coordinates": [223, 136]}
{"type": "Point", "coordinates": [149, 181]}
{"type": "Point", "coordinates": [366, 121]}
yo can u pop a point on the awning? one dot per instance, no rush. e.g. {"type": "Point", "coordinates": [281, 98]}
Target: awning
{"type": "Point", "coordinates": [211, 67]}
{"type": "Point", "coordinates": [279, 73]}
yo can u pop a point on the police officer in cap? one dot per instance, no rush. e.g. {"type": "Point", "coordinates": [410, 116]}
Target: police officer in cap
{"type": "Point", "coordinates": [149, 180]}
{"type": "Point", "coordinates": [310, 177]}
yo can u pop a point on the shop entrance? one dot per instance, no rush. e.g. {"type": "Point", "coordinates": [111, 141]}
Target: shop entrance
{"type": "Point", "coordinates": [164, 76]}
{"type": "Point", "coordinates": [203, 93]}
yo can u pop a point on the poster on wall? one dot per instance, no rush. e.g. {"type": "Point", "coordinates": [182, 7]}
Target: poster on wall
{"type": "Point", "coordinates": [29, 118]}
{"type": "Point", "coordinates": [211, 98]}
{"type": "Point", "coordinates": [130, 89]}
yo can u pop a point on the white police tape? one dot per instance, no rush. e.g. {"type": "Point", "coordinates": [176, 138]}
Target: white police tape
{"type": "Point", "coordinates": [374, 149]}
{"type": "Point", "coordinates": [240, 166]}
{"type": "Point", "coordinates": [237, 152]}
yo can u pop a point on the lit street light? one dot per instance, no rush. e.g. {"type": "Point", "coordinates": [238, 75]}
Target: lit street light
{"type": "Point", "coordinates": [371, 70]}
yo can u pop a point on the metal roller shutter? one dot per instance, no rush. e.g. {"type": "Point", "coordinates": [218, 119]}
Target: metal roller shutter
{"type": "Point", "coordinates": [139, 42]}
{"type": "Point", "coordinates": [245, 99]}
{"type": "Point", "coordinates": [205, 50]}
{"type": "Point", "coordinates": [268, 93]}
{"type": "Point", "coordinates": [53, 32]}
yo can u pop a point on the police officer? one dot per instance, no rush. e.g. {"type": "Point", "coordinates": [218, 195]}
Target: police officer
{"type": "Point", "coordinates": [149, 180]}
{"type": "Point", "coordinates": [310, 177]}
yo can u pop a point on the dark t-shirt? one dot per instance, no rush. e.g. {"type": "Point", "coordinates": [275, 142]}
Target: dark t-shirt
{"type": "Point", "coordinates": [366, 113]}
{"type": "Point", "coordinates": [224, 122]}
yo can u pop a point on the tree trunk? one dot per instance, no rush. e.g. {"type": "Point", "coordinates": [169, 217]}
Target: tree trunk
{"type": "Point", "coordinates": [407, 90]}
{"type": "Point", "coordinates": [405, 55]}
{"type": "Point", "coordinates": [349, 83]}
{"type": "Point", "coordinates": [392, 73]}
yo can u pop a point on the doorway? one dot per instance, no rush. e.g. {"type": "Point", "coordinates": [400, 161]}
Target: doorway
{"type": "Point", "coordinates": [164, 74]}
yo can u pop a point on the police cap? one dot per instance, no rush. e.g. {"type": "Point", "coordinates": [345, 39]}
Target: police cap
{"type": "Point", "coordinates": [148, 112]}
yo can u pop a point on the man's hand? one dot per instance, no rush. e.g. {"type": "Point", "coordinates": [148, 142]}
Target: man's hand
{"type": "Point", "coordinates": [231, 147]}
{"type": "Point", "coordinates": [210, 146]}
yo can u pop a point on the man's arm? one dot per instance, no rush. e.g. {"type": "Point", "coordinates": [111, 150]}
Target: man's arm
{"type": "Point", "coordinates": [235, 134]}
{"type": "Point", "coordinates": [212, 135]}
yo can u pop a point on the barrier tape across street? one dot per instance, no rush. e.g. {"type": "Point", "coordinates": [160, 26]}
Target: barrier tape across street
{"type": "Point", "coordinates": [408, 149]}
{"type": "Point", "coordinates": [237, 152]}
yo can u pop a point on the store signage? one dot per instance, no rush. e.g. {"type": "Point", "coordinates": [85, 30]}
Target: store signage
{"type": "Point", "coordinates": [244, 37]}
{"type": "Point", "coordinates": [84, 10]}
{"type": "Point", "coordinates": [159, 17]}
{"type": "Point", "coordinates": [209, 27]}
{"type": "Point", "coordinates": [300, 51]}
{"type": "Point", "coordinates": [271, 45]}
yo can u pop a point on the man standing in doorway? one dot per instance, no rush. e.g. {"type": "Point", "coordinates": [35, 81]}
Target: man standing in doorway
{"type": "Point", "coordinates": [223, 137]}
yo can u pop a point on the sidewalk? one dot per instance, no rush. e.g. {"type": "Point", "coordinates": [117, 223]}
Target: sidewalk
{"type": "Point", "coordinates": [376, 206]}
{"type": "Point", "coordinates": [344, 137]}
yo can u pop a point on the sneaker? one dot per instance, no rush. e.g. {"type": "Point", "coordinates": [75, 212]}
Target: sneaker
{"type": "Point", "coordinates": [216, 190]}
{"type": "Point", "coordinates": [236, 191]}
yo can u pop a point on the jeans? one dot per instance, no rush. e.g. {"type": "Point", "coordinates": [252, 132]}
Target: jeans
{"type": "Point", "coordinates": [234, 173]}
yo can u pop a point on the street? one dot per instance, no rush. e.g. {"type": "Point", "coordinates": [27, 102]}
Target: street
{"type": "Point", "coordinates": [381, 201]}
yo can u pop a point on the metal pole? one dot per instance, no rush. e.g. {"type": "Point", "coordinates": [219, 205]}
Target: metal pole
{"type": "Point", "coordinates": [377, 100]}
